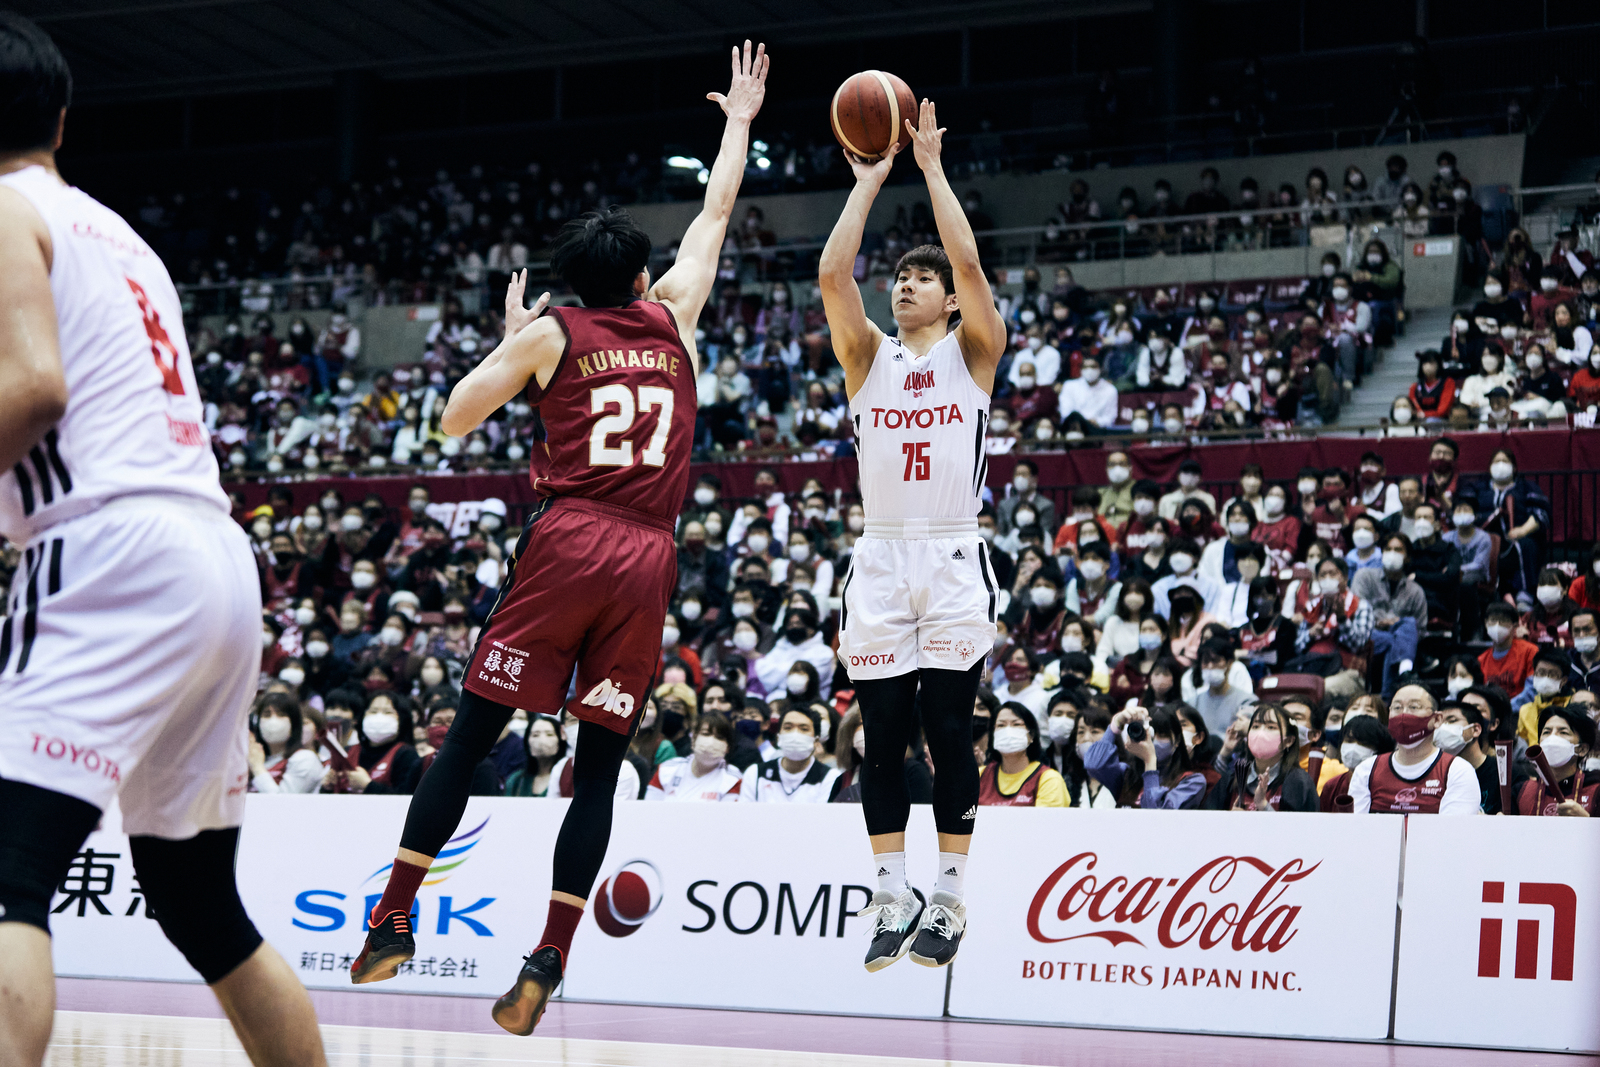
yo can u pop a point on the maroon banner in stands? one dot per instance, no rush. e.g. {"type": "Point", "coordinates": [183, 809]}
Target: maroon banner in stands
{"type": "Point", "coordinates": [1550, 453]}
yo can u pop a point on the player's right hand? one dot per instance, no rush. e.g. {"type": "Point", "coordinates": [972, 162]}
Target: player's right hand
{"type": "Point", "coordinates": [876, 173]}
{"type": "Point", "coordinates": [518, 316]}
{"type": "Point", "coordinates": [749, 85]}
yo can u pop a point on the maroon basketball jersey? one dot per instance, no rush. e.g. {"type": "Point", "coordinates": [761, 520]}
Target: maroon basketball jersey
{"type": "Point", "coordinates": [1421, 796]}
{"type": "Point", "coordinates": [618, 414]}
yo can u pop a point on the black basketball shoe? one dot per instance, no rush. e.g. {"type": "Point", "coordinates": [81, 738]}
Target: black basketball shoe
{"type": "Point", "coordinates": [389, 944]}
{"type": "Point", "coordinates": [944, 921]}
{"type": "Point", "coordinates": [894, 924]}
{"type": "Point", "coordinates": [521, 1008]}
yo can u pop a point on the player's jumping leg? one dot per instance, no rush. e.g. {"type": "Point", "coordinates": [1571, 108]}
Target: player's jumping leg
{"type": "Point", "coordinates": [435, 813]}
{"type": "Point", "coordinates": [580, 850]}
{"type": "Point", "coordinates": [947, 698]}
{"type": "Point", "coordinates": [888, 715]}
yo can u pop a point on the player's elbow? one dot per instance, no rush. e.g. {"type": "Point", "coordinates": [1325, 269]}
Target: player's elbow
{"type": "Point", "coordinates": [42, 401]}
{"type": "Point", "coordinates": [454, 422]}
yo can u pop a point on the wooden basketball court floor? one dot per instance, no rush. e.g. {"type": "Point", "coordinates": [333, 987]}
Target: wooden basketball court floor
{"type": "Point", "coordinates": [151, 1024]}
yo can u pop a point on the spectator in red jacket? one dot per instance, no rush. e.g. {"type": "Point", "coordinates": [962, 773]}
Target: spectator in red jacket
{"type": "Point", "coordinates": [1509, 660]}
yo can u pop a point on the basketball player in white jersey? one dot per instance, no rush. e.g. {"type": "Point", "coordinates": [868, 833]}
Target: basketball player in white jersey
{"type": "Point", "coordinates": [130, 652]}
{"type": "Point", "coordinates": [920, 598]}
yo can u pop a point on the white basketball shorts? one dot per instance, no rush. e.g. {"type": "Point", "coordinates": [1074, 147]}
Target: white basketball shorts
{"type": "Point", "coordinates": [912, 603]}
{"type": "Point", "coordinates": [128, 662]}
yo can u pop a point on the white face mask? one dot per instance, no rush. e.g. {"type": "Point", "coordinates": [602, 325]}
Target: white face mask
{"type": "Point", "coordinates": [304, 616]}
{"type": "Point", "coordinates": [856, 523]}
{"type": "Point", "coordinates": [1586, 645]}
{"type": "Point", "coordinates": [799, 552]}
{"type": "Point", "coordinates": [743, 609]}
{"type": "Point", "coordinates": [1181, 562]}
{"type": "Point", "coordinates": [1306, 487]}
{"type": "Point", "coordinates": [1353, 755]}
{"type": "Point", "coordinates": [1035, 343]}
{"type": "Point", "coordinates": [1091, 374]}
{"type": "Point", "coordinates": [1172, 425]}
{"type": "Point", "coordinates": [1213, 676]}
{"type": "Point", "coordinates": [275, 731]}
{"type": "Point", "coordinates": [859, 743]}
{"type": "Point", "coordinates": [985, 532]}
{"type": "Point", "coordinates": [1546, 686]}
{"type": "Point", "coordinates": [363, 579]}
{"type": "Point", "coordinates": [757, 543]}
{"type": "Point", "coordinates": [796, 684]}
{"type": "Point", "coordinates": [710, 748]}
{"type": "Point", "coordinates": [1092, 569]}
{"type": "Point", "coordinates": [796, 746]}
{"type": "Point", "coordinates": [267, 639]}
{"type": "Point", "coordinates": [1071, 643]}
{"type": "Point", "coordinates": [1550, 595]}
{"type": "Point", "coordinates": [1457, 683]}
{"type": "Point", "coordinates": [669, 636]}
{"type": "Point", "coordinates": [1062, 727]}
{"type": "Point", "coordinates": [1374, 259]}
{"type": "Point", "coordinates": [1423, 529]}
{"type": "Point", "coordinates": [1140, 426]}
{"type": "Point", "coordinates": [1042, 596]}
{"type": "Point", "coordinates": [1239, 528]}
{"type": "Point", "coordinates": [390, 636]}
{"type": "Point", "coordinates": [350, 523]}
{"type": "Point", "coordinates": [1044, 432]}
{"type": "Point", "coordinates": [1394, 562]}
{"type": "Point", "coordinates": [1402, 415]}
{"type": "Point", "coordinates": [312, 523]}
{"type": "Point", "coordinates": [1363, 538]}
{"type": "Point", "coordinates": [1144, 507]}
{"type": "Point", "coordinates": [1009, 739]}
{"type": "Point", "coordinates": [704, 495]}
{"type": "Point", "coordinates": [1501, 471]}
{"type": "Point", "coordinates": [292, 675]}
{"type": "Point", "coordinates": [1117, 475]}
{"type": "Point", "coordinates": [380, 727]}
{"type": "Point", "coordinates": [1025, 518]}
{"type": "Point", "coordinates": [432, 676]}
{"type": "Point", "coordinates": [316, 649]}
{"type": "Point", "coordinates": [690, 609]}
{"type": "Point", "coordinates": [1149, 641]}
{"type": "Point", "coordinates": [1498, 632]}
{"type": "Point", "coordinates": [1026, 381]}
{"type": "Point", "coordinates": [1492, 290]}
{"type": "Point", "coordinates": [1450, 736]}
{"type": "Point", "coordinates": [1558, 751]}
{"type": "Point", "coordinates": [1328, 586]}
{"type": "Point", "coordinates": [1273, 504]}
{"type": "Point", "coordinates": [744, 640]}
{"type": "Point", "coordinates": [1340, 293]}
{"type": "Point", "coordinates": [1022, 483]}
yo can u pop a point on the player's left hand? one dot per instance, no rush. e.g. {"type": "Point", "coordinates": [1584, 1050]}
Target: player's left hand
{"type": "Point", "coordinates": [518, 316]}
{"type": "Point", "coordinates": [749, 86]}
{"type": "Point", "coordinates": [926, 137]}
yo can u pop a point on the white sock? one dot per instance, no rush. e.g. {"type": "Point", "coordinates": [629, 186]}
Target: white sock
{"type": "Point", "coordinates": [952, 874]}
{"type": "Point", "coordinates": [891, 872]}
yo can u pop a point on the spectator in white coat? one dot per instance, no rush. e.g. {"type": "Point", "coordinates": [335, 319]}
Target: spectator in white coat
{"type": "Point", "coordinates": [801, 640]}
{"type": "Point", "coordinates": [1090, 395]}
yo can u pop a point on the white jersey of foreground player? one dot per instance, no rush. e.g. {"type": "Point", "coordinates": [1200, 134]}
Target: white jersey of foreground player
{"type": "Point", "coordinates": [920, 423]}
{"type": "Point", "coordinates": [131, 650]}
{"type": "Point", "coordinates": [134, 418]}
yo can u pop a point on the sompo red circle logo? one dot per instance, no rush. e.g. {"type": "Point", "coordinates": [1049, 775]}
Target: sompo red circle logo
{"type": "Point", "coordinates": [629, 897]}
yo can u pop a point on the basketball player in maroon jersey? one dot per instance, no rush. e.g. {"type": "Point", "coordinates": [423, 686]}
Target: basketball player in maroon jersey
{"type": "Point", "coordinates": [614, 385]}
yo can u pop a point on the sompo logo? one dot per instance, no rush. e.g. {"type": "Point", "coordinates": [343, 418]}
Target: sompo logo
{"type": "Point", "coordinates": [1220, 902]}
{"type": "Point", "coordinates": [1561, 899]}
{"type": "Point", "coordinates": [628, 898]}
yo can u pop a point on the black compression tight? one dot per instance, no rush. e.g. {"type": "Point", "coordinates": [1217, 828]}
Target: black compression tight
{"type": "Point", "coordinates": [441, 797]}
{"type": "Point", "coordinates": [889, 716]}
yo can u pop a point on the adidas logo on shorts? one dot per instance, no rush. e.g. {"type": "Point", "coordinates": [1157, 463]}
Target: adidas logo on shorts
{"type": "Point", "coordinates": [972, 812]}
{"type": "Point", "coordinates": [957, 554]}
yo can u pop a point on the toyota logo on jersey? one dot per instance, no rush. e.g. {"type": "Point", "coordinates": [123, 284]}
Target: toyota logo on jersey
{"type": "Point", "coordinates": [629, 897]}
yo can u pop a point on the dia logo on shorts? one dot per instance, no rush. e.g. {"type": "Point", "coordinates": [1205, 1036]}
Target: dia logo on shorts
{"type": "Point", "coordinates": [608, 696]}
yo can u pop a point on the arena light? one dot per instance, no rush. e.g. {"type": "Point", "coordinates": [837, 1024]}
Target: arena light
{"type": "Point", "coordinates": [759, 146]}
{"type": "Point", "coordinates": [763, 162]}
{"type": "Point", "coordinates": [704, 176]}
{"type": "Point", "coordinates": [685, 163]}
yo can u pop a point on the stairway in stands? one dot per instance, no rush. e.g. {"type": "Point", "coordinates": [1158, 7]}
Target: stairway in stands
{"type": "Point", "coordinates": [1374, 398]}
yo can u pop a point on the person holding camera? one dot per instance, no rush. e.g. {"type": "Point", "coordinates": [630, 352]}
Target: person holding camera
{"type": "Point", "coordinates": [1164, 775]}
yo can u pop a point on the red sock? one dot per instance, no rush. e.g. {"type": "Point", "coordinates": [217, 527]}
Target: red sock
{"type": "Point", "coordinates": [559, 928]}
{"type": "Point", "coordinates": [401, 892]}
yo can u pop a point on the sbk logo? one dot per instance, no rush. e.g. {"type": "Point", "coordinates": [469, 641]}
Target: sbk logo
{"type": "Point", "coordinates": [1220, 902]}
{"type": "Point", "coordinates": [607, 695]}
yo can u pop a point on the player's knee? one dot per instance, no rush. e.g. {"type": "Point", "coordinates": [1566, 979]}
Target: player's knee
{"type": "Point", "coordinates": [190, 886]}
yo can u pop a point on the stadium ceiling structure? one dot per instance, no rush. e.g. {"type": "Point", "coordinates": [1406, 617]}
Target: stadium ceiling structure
{"type": "Point", "coordinates": [143, 49]}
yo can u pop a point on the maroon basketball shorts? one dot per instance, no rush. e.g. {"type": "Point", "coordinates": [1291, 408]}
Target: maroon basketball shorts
{"type": "Point", "coordinates": [590, 586]}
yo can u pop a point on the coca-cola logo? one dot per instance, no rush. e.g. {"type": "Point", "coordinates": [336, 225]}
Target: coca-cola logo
{"type": "Point", "coordinates": [1232, 900]}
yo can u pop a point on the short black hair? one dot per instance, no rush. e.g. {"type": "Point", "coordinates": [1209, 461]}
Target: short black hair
{"type": "Point", "coordinates": [599, 254]}
{"type": "Point", "coordinates": [930, 257]}
{"type": "Point", "coordinates": [35, 84]}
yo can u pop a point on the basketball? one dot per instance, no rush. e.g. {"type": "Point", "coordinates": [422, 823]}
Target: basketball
{"type": "Point", "coordinates": [869, 114]}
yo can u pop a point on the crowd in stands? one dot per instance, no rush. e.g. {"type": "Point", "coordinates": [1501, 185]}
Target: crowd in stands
{"type": "Point", "coordinates": [1154, 648]}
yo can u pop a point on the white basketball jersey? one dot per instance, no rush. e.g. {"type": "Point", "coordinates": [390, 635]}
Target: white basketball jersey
{"type": "Point", "coordinates": [134, 418]}
{"type": "Point", "coordinates": [920, 423]}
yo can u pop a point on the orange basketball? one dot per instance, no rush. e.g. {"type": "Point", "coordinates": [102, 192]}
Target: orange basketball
{"type": "Point", "coordinates": [869, 114]}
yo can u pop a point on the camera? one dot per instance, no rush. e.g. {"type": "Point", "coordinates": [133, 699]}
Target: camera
{"type": "Point", "coordinates": [1136, 730]}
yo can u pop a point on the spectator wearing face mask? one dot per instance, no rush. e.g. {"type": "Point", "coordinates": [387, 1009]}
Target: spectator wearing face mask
{"type": "Point", "coordinates": [1131, 676]}
{"type": "Point", "coordinates": [1218, 684]}
{"type": "Point", "coordinates": [1365, 553]}
{"type": "Point", "coordinates": [1335, 626]}
{"type": "Point", "coordinates": [1547, 687]}
{"type": "Point", "coordinates": [1547, 622]}
{"type": "Point", "coordinates": [1584, 670]}
{"type": "Point", "coordinates": [1417, 778]}
{"type": "Point", "coordinates": [1158, 366]}
{"type": "Point", "coordinates": [1183, 557]}
{"type": "Point", "coordinates": [1015, 774]}
{"type": "Point", "coordinates": [1092, 591]}
{"type": "Point", "coordinates": [1311, 720]}
{"type": "Point", "coordinates": [1259, 764]}
{"type": "Point", "coordinates": [543, 747]}
{"type": "Point", "coordinates": [1153, 771]}
{"type": "Point", "coordinates": [384, 758]}
{"type": "Point", "coordinates": [1021, 683]}
{"type": "Point", "coordinates": [1278, 532]}
{"type": "Point", "coordinates": [1492, 375]}
{"type": "Point", "coordinates": [704, 774]}
{"type": "Point", "coordinates": [1039, 611]}
{"type": "Point", "coordinates": [1130, 604]}
{"type": "Point", "coordinates": [1134, 538]}
{"type": "Point", "coordinates": [852, 750]}
{"type": "Point", "coordinates": [278, 760]}
{"type": "Point", "coordinates": [1432, 394]}
{"type": "Point", "coordinates": [1089, 395]}
{"type": "Point", "coordinates": [801, 552]}
{"type": "Point", "coordinates": [801, 640]}
{"type": "Point", "coordinates": [1059, 728]}
{"type": "Point", "coordinates": [796, 776]}
{"type": "Point", "coordinates": [1567, 739]}
{"type": "Point", "coordinates": [1399, 609]}
{"type": "Point", "coordinates": [1361, 738]}
{"type": "Point", "coordinates": [1517, 510]}
{"type": "Point", "coordinates": [352, 638]}
{"type": "Point", "coordinates": [1464, 732]}
{"type": "Point", "coordinates": [1188, 489]}
{"type": "Point", "coordinates": [1044, 358]}
{"type": "Point", "coordinates": [1330, 519]}
{"type": "Point", "coordinates": [1266, 639]}
{"type": "Point", "coordinates": [672, 647]}
{"type": "Point", "coordinates": [1025, 502]}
